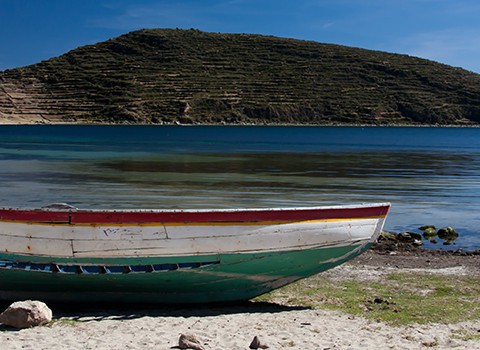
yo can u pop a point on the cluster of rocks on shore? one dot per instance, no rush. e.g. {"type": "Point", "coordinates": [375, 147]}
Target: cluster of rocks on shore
{"type": "Point", "coordinates": [429, 232]}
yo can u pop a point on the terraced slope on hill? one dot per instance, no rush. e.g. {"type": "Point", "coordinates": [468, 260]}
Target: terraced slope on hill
{"type": "Point", "coordinates": [189, 76]}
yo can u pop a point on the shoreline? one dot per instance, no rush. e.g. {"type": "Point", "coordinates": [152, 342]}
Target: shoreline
{"type": "Point", "coordinates": [176, 123]}
{"type": "Point", "coordinates": [404, 255]}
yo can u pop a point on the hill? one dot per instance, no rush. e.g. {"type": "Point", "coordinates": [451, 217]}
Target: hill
{"type": "Point", "coordinates": [194, 77]}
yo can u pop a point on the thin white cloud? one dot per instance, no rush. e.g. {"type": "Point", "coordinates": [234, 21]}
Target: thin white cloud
{"type": "Point", "coordinates": [416, 27]}
{"type": "Point", "coordinates": [454, 47]}
{"type": "Point", "coordinates": [137, 16]}
{"type": "Point", "coordinates": [223, 16]}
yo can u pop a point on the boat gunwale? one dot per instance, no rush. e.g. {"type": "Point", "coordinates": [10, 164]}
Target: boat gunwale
{"type": "Point", "coordinates": [72, 216]}
{"type": "Point", "coordinates": [214, 210]}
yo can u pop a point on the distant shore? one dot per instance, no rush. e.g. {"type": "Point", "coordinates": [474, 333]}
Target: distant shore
{"type": "Point", "coordinates": [44, 122]}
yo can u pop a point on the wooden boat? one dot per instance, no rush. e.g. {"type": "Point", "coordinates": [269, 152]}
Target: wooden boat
{"type": "Point", "coordinates": [60, 253]}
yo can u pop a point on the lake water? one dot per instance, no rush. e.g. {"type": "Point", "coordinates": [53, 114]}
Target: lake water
{"type": "Point", "coordinates": [430, 175]}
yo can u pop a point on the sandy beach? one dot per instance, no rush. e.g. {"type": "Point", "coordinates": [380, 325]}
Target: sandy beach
{"type": "Point", "coordinates": [279, 328]}
{"type": "Point", "coordinates": [277, 324]}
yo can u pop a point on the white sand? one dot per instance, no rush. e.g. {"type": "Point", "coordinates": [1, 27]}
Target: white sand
{"type": "Point", "coordinates": [234, 328]}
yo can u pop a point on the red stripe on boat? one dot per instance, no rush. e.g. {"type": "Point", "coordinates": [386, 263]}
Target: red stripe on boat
{"type": "Point", "coordinates": [139, 217]}
{"type": "Point", "coordinates": [34, 216]}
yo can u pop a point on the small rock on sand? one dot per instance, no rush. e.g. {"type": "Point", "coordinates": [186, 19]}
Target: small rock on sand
{"type": "Point", "coordinates": [26, 314]}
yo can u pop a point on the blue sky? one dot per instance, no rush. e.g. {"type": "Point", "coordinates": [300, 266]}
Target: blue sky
{"type": "Point", "coordinates": [447, 31]}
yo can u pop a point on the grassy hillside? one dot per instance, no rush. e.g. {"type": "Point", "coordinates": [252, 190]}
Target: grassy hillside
{"type": "Point", "coordinates": [189, 76]}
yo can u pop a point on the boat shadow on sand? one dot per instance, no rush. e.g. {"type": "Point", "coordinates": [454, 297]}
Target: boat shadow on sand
{"type": "Point", "coordinates": [84, 312]}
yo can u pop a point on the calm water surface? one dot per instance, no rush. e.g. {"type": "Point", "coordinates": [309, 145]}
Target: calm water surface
{"type": "Point", "coordinates": [430, 175]}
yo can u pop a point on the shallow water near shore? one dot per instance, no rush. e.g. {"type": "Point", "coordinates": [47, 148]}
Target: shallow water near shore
{"type": "Point", "coordinates": [430, 175]}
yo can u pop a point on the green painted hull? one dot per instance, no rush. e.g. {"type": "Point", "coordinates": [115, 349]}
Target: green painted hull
{"type": "Point", "coordinates": [234, 277]}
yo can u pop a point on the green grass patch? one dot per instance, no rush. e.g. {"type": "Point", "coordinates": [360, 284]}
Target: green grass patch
{"type": "Point", "coordinates": [65, 322]}
{"type": "Point", "coordinates": [397, 298]}
{"type": "Point", "coordinates": [465, 335]}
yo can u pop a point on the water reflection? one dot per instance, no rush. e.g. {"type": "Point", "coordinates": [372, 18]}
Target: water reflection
{"type": "Point", "coordinates": [364, 164]}
{"type": "Point", "coordinates": [289, 178]}
{"type": "Point", "coordinates": [425, 185]}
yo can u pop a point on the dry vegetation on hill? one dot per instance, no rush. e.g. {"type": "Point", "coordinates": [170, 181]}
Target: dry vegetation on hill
{"type": "Point", "coordinates": [193, 77]}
